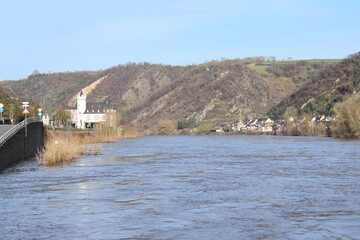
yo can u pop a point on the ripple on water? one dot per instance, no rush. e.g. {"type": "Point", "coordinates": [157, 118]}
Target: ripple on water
{"type": "Point", "coordinates": [203, 187]}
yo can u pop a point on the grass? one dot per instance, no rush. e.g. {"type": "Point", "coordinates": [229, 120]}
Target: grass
{"type": "Point", "coordinates": [259, 68]}
{"type": "Point", "coordinates": [322, 60]}
{"type": "Point", "coordinates": [63, 147]}
{"type": "Point", "coordinates": [285, 80]}
{"type": "Point", "coordinates": [307, 60]}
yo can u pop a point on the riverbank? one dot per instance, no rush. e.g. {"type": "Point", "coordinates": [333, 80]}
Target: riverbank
{"type": "Point", "coordinates": [62, 147]}
{"type": "Point", "coordinates": [273, 133]}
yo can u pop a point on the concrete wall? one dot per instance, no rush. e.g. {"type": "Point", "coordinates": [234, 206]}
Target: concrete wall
{"type": "Point", "coordinates": [19, 147]}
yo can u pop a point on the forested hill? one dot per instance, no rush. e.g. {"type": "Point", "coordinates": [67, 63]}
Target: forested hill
{"type": "Point", "coordinates": [210, 93]}
{"type": "Point", "coordinates": [5, 99]}
{"type": "Point", "coordinates": [11, 103]}
{"type": "Point", "coordinates": [327, 87]}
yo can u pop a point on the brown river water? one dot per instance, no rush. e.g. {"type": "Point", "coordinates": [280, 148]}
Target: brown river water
{"type": "Point", "coordinates": [190, 187]}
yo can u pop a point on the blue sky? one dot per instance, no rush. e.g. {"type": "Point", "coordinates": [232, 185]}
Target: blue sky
{"type": "Point", "coordinates": [74, 35]}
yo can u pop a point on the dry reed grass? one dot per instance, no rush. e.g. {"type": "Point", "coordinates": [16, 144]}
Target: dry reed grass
{"type": "Point", "coordinates": [65, 146]}
{"type": "Point", "coordinates": [59, 149]}
{"type": "Point", "coordinates": [94, 149]}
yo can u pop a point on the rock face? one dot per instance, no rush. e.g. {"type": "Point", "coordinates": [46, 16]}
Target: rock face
{"type": "Point", "coordinates": [214, 92]}
{"type": "Point", "coordinates": [208, 93]}
{"type": "Point", "coordinates": [326, 88]}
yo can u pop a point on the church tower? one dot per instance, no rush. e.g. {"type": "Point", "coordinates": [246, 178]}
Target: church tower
{"type": "Point", "coordinates": [81, 108]}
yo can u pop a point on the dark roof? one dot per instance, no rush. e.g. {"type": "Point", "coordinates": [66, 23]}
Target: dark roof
{"type": "Point", "coordinates": [95, 107]}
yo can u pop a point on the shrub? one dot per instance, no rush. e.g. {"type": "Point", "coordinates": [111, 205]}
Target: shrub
{"type": "Point", "coordinates": [347, 124]}
{"type": "Point", "coordinates": [290, 128]}
{"type": "Point", "coordinates": [128, 132]}
{"type": "Point", "coordinates": [166, 127]}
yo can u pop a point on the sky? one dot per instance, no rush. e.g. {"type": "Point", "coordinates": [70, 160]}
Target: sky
{"type": "Point", "coordinates": [75, 35]}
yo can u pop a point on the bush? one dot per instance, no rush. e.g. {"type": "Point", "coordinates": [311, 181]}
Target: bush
{"type": "Point", "coordinates": [290, 128]}
{"type": "Point", "coordinates": [166, 127]}
{"type": "Point", "coordinates": [347, 123]}
{"type": "Point", "coordinates": [128, 132]}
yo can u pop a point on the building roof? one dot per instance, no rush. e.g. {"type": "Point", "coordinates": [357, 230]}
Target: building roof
{"type": "Point", "coordinates": [98, 107]}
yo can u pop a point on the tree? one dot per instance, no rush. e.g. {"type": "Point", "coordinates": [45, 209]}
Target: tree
{"type": "Point", "coordinates": [33, 109]}
{"type": "Point", "coordinates": [61, 116]}
{"type": "Point", "coordinates": [347, 124]}
{"type": "Point", "coordinates": [35, 72]}
{"type": "Point", "coordinates": [290, 116]}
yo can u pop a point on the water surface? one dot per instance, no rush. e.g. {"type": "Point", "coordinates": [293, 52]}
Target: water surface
{"type": "Point", "coordinates": [190, 187]}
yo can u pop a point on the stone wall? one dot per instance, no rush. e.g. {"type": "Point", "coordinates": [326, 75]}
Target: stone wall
{"type": "Point", "coordinates": [19, 147]}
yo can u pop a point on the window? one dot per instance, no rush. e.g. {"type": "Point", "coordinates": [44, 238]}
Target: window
{"type": "Point", "coordinates": [88, 117]}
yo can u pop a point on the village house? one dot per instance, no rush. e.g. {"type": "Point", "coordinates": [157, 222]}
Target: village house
{"type": "Point", "coordinates": [238, 125]}
{"type": "Point", "coordinates": [92, 114]}
{"type": "Point", "coordinates": [266, 121]}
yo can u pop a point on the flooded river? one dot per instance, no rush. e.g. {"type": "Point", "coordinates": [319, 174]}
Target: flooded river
{"type": "Point", "coordinates": [190, 187]}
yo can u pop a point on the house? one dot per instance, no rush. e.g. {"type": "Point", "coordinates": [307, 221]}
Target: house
{"type": "Point", "coordinates": [92, 114]}
{"type": "Point", "coordinates": [225, 127]}
{"type": "Point", "coordinates": [266, 121]}
{"type": "Point", "coordinates": [237, 125]}
{"type": "Point", "coordinates": [252, 122]}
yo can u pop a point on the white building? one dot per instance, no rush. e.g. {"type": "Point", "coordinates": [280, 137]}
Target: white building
{"type": "Point", "coordinates": [92, 114]}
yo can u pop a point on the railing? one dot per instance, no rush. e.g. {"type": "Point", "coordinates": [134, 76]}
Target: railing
{"type": "Point", "coordinates": [16, 128]}
{"type": "Point", "coordinates": [69, 128]}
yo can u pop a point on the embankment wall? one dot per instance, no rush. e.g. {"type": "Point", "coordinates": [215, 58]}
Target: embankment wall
{"type": "Point", "coordinates": [18, 147]}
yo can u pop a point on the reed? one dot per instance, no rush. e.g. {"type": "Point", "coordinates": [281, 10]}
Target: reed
{"type": "Point", "coordinates": [93, 149]}
{"type": "Point", "coordinates": [59, 149]}
{"type": "Point", "coordinates": [62, 147]}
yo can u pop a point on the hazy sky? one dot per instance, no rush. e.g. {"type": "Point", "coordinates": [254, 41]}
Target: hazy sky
{"type": "Point", "coordinates": [71, 35]}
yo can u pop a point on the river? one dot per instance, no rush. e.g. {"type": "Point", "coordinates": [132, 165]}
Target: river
{"type": "Point", "coordinates": [190, 187]}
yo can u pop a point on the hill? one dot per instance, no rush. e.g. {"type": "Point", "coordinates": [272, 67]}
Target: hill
{"type": "Point", "coordinates": [326, 88]}
{"type": "Point", "coordinates": [206, 94]}
{"type": "Point", "coordinates": [11, 104]}
{"type": "Point", "coordinates": [51, 90]}
{"type": "Point", "coordinates": [5, 99]}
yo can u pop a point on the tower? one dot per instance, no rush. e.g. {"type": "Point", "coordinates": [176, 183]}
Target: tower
{"type": "Point", "coordinates": [81, 108]}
